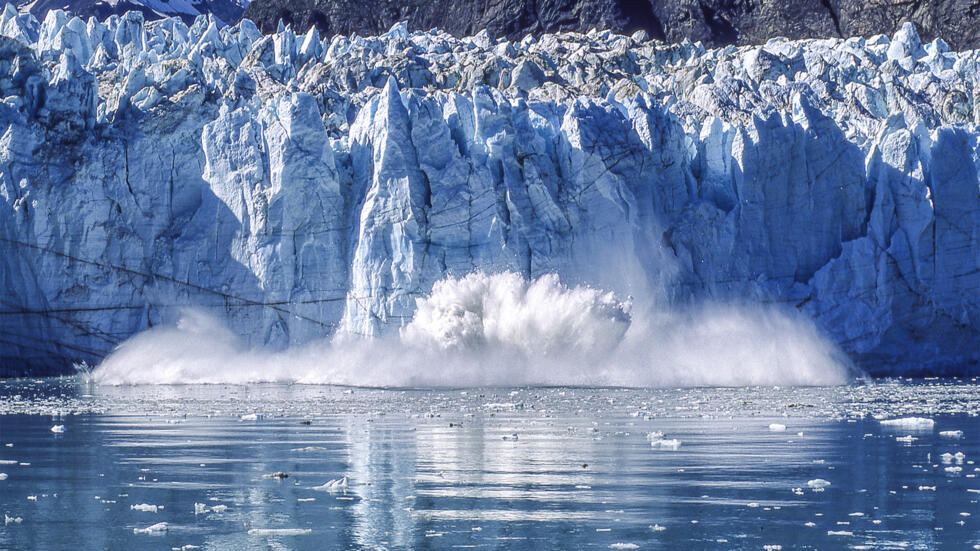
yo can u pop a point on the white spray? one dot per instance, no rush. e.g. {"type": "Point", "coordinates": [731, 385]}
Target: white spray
{"type": "Point", "coordinates": [502, 330]}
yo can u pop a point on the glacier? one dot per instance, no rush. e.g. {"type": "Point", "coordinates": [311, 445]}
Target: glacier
{"type": "Point", "coordinates": [298, 187]}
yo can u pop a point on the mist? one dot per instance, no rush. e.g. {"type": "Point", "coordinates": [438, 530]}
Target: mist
{"type": "Point", "coordinates": [503, 330]}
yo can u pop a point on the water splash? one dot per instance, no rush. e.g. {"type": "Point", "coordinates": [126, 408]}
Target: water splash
{"type": "Point", "coordinates": [502, 330]}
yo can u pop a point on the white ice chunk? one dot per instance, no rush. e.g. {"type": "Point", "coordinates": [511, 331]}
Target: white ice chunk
{"type": "Point", "coordinates": [279, 531]}
{"type": "Point", "coordinates": [157, 528]}
{"type": "Point", "coordinates": [910, 423]}
{"type": "Point", "coordinates": [666, 444]}
{"type": "Point", "coordinates": [336, 485]}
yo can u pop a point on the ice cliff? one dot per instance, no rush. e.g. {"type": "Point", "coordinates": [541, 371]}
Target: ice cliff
{"type": "Point", "coordinates": [299, 187]}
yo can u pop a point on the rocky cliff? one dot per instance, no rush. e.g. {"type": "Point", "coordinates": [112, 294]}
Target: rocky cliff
{"type": "Point", "coordinates": [713, 22]}
{"type": "Point", "coordinates": [300, 186]}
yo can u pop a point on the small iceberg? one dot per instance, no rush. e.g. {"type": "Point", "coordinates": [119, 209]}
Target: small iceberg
{"type": "Point", "coordinates": [279, 531]}
{"type": "Point", "coordinates": [777, 427]}
{"type": "Point", "coordinates": [7, 519]}
{"type": "Point", "coordinates": [332, 486]}
{"type": "Point", "coordinates": [818, 483]}
{"type": "Point", "coordinates": [657, 440]}
{"type": "Point", "coordinates": [910, 423]}
{"type": "Point", "coordinates": [157, 528]}
{"type": "Point", "coordinates": [58, 429]}
{"type": "Point", "coordinates": [951, 434]}
{"type": "Point", "coordinates": [667, 444]}
{"type": "Point", "coordinates": [145, 507]}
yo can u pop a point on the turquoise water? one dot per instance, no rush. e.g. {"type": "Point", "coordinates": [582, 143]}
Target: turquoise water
{"type": "Point", "coordinates": [527, 468]}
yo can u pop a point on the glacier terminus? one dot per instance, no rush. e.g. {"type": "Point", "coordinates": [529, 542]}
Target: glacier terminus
{"type": "Point", "coordinates": [300, 188]}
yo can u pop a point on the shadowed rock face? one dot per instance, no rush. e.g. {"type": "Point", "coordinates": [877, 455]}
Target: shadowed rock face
{"type": "Point", "coordinates": [714, 22]}
{"type": "Point", "coordinates": [511, 18]}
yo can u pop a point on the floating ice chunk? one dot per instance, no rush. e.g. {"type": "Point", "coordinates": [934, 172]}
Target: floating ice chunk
{"type": "Point", "coordinates": [336, 485]}
{"type": "Point", "coordinates": [910, 423]}
{"type": "Point", "coordinates": [31, 498]}
{"type": "Point", "coordinates": [948, 458]}
{"type": "Point", "coordinates": [144, 507]}
{"type": "Point", "coordinates": [308, 448]}
{"type": "Point", "coordinates": [157, 528]}
{"type": "Point", "coordinates": [953, 469]}
{"type": "Point", "coordinates": [772, 547]}
{"type": "Point", "coordinates": [777, 427]}
{"type": "Point", "coordinates": [7, 519]}
{"type": "Point", "coordinates": [279, 531]}
{"type": "Point", "coordinates": [669, 444]}
{"type": "Point", "coordinates": [621, 545]}
{"type": "Point", "coordinates": [8, 461]}
{"type": "Point", "coordinates": [658, 528]}
{"type": "Point", "coordinates": [305, 499]}
{"type": "Point", "coordinates": [200, 508]}
{"type": "Point", "coordinates": [927, 488]}
{"type": "Point", "coordinates": [818, 483]}
{"type": "Point", "coordinates": [907, 439]}
{"type": "Point", "coordinates": [951, 433]}
{"type": "Point", "coordinates": [3, 476]}
{"type": "Point", "coordinates": [250, 417]}
{"type": "Point", "coordinates": [839, 533]}
{"type": "Point", "coordinates": [58, 429]}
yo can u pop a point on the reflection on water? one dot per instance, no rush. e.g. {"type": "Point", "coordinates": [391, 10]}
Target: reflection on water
{"type": "Point", "coordinates": [487, 469]}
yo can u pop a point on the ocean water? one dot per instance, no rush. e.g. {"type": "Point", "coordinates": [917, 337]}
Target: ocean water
{"type": "Point", "coordinates": [489, 468]}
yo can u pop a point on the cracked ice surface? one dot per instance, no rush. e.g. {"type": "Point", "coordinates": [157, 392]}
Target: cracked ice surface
{"type": "Point", "coordinates": [298, 187]}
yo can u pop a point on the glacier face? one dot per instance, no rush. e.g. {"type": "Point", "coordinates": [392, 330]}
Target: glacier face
{"type": "Point", "coordinates": [300, 187]}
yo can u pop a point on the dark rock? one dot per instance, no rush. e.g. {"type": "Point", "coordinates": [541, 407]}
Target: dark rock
{"type": "Point", "coordinates": [714, 22]}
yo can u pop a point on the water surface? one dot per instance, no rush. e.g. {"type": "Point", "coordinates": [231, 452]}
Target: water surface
{"type": "Point", "coordinates": [542, 468]}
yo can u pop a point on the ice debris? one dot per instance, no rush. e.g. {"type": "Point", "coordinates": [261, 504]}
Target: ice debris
{"type": "Point", "coordinates": [157, 528]}
{"type": "Point", "coordinates": [279, 531]}
{"type": "Point", "coordinates": [7, 519]}
{"type": "Point", "coordinates": [333, 486]}
{"type": "Point", "coordinates": [910, 423]}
